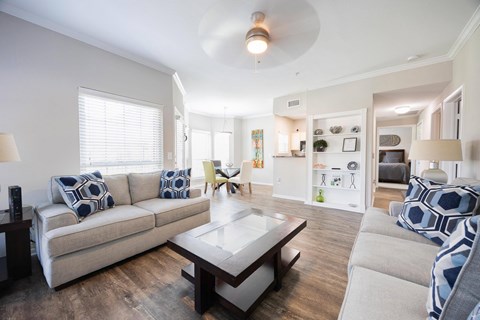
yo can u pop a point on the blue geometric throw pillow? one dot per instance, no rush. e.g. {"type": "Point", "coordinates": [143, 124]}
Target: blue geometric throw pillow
{"type": "Point", "coordinates": [448, 264]}
{"type": "Point", "coordinates": [434, 210]}
{"type": "Point", "coordinates": [175, 184]}
{"type": "Point", "coordinates": [475, 314]}
{"type": "Point", "coordinates": [85, 194]}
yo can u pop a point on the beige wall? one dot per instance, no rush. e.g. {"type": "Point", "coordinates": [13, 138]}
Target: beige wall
{"type": "Point", "coordinates": [359, 94]}
{"type": "Point", "coordinates": [40, 73]}
{"type": "Point", "coordinates": [466, 73]}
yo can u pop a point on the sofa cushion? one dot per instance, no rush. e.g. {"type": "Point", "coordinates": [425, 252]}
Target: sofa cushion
{"type": "Point", "coordinates": [53, 191]}
{"type": "Point", "coordinates": [399, 258]}
{"type": "Point", "coordinates": [373, 295]}
{"type": "Point", "coordinates": [99, 228]}
{"type": "Point", "coordinates": [377, 221]}
{"type": "Point", "coordinates": [85, 194]}
{"type": "Point", "coordinates": [144, 186]}
{"type": "Point", "coordinates": [170, 210]}
{"type": "Point", "coordinates": [434, 210]}
{"type": "Point", "coordinates": [175, 184]}
{"type": "Point", "coordinates": [118, 187]}
{"type": "Point", "coordinates": [451, 271]}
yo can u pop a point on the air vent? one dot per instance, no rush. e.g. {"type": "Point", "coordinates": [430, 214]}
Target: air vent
{"type": "Point", "coordinates": [293, 103]}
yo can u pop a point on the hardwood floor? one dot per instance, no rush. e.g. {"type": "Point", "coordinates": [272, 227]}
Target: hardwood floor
{"type": "Point", "coordinates": [149, 285]}
{"type": "Point", "coordinates": [383, 196]}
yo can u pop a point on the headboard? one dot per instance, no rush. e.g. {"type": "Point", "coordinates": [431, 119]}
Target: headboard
{"type": "Point", "coordinates": [391, 156]}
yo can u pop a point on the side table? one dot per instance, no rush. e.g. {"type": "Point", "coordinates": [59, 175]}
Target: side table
{"type": "Point", "coordinates": [18, 262]}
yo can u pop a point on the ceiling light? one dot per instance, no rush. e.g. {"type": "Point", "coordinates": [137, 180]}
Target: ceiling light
{"type": "Point", "coordinates": [402, 109]}
{"type": "Point", "coordinates": [224, 120]}
{"type": "Point", "coordinates": [257, 38]}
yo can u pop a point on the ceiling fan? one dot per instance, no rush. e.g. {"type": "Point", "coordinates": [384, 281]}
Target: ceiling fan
{"type": "Point", "coordinates": [282, 31]}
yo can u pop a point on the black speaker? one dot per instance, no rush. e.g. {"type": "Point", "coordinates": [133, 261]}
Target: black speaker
{"type": "Point", "coordinates": [15, 201]}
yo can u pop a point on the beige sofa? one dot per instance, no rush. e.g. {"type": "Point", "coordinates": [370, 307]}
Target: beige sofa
{"type": "Point", "coordinates": [68, 249]}
{"type": "Point", "coordinates": [388, 271]}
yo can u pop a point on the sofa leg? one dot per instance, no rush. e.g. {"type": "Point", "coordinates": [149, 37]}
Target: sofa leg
{"type": "Point", "coordinates": [250, 187]}
{"type": "Point", "coordinates": [240, 186]}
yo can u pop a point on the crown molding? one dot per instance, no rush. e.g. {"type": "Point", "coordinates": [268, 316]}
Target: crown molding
{"type": "Point", "coordinates": [466, 33]}
{"type": "Point", "coordinates": [180, 86]}
{"type": "Point", "coordinates": [257, 116]}
{"type": "Point", "coordinates": [385, 71]}
{"type": "Point", "coordinates": [47, 24]}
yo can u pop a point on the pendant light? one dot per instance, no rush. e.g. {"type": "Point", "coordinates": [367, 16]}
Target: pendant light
{"type": "Point", "coordinates": [224, 120]}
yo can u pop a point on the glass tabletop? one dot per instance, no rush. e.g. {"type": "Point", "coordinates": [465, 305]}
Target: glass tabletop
{"type": "Point", "coordinates": [238, 234]}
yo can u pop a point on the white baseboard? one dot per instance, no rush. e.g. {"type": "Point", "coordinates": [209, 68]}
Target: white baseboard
{"type": "Point", "coordinates": [281, 196]}
{"type": "Point", "coordinates": [263, 183]}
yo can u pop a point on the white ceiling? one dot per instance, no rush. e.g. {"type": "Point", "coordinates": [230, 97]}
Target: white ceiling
{"type": "Point", "coordinates": [417, 98]}
{"type": "Point", "coordinates": [330, 41]}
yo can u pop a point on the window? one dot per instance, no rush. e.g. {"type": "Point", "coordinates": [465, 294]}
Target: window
{"type": "Point", "coordinates": [221, 148]}
{"type": "Point", "coordinates": [119, 135]}
{"type": "Point", "coordinates": [179, 142]}
{"type": "Point", "coordinates": [201, 150]}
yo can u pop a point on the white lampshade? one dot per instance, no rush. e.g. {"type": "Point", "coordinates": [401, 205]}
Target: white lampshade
{"type": "Point", "coordinates": [8, 148]}
{"type": "Point", "coordinates": [436, 150]}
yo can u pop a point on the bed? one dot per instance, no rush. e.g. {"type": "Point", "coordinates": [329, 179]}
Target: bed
{"type": "Point", "coordinates": [392, 167]}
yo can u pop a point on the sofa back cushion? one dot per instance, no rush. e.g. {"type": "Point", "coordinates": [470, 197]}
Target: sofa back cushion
{"type": "Point", "coordinates": [144, 186]}
{"type": "Point", "coordinates": [434, 210]}
{"type": "Point", "coordinates": [454, 288]}
{"type": "Point", "coordinates": [118, 187]}
{"type": "Point", "coordinates": [53, 192]}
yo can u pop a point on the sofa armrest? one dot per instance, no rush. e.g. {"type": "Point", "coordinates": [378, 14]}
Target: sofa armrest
{"type": "Point", "coordinates": [55, 216]}
{"type": "Point", "coordinates": [395, 208]}
{"type": "Point", "coordinates": [195, 193]}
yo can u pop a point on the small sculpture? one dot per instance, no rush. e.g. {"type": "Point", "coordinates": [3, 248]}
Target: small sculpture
{"type": "Point", "coordinates": [336, 129]}
{"type": "Point", "coordinates": [318, 132]}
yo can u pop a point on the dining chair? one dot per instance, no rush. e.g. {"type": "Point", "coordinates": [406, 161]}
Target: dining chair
{"type": "Point", "coordinates": [211, 178]}
{"type": "Point", "coordinates": [217, 163]}
{"type": "Point", "coordinates": [244, 177]}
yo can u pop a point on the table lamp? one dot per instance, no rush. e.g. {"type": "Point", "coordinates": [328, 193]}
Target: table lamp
{"type": "Point", "coordinates": [9, 153]}
{"type": "Point", "coordinates": [435, 151]}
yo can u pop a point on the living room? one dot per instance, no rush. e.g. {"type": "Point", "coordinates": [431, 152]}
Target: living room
{"type": "Point", "coordinates": [46, 64]}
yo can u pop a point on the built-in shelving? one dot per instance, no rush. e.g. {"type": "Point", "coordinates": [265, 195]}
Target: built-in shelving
{"type": "Point", "coordinates": [341, 188]}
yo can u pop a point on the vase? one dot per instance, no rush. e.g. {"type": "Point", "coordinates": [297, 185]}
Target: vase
{"type": "Point", "coordinates": [320, 197]}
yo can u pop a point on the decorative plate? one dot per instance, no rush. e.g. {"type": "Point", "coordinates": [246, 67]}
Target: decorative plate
{"type": "Point", "coordinates": [355, 129]}
{"type": "Point", "coordinates": [352, 165]}
{"type": "Point", "coordinates": [318, 132]}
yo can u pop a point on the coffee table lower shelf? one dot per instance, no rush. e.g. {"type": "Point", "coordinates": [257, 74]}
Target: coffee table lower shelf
{"type": "Point", "coordinates": [246, 297]}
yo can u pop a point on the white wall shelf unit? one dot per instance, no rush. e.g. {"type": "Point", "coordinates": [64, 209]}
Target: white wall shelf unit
{"type": "Point", "coordinates": [342, 188]}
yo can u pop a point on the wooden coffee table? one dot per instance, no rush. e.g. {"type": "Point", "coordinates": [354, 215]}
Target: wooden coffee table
{"type": "Point", "coordinates": [237, 261]}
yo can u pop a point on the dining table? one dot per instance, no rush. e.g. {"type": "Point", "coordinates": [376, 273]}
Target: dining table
{"type": "Point", "coordinates": [228, 172]}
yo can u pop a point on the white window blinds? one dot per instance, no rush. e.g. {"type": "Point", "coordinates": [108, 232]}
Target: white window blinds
{"type": "Point", "coordinates": [119, 135]}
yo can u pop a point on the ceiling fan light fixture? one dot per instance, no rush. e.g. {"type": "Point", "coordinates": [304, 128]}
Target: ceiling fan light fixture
{"type": "Point", "coordinates": [402, 109]}
{"type": "Point", "coordinates": [257, 40]}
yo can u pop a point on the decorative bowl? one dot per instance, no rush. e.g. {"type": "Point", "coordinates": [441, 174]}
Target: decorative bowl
{"type": "Point", "coordinates": [336, 129]}
{"type": "Point", "coordinates": [318, 132]}
{"type": "Point", "coordinates": [229, 164]}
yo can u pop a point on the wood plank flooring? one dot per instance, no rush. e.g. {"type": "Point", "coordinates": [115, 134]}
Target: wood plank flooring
{"type": "Point", "coordinates": [149, 285]}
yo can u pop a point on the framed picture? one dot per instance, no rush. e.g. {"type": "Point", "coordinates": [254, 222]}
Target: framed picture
{"type": "Point", "coordinates": [349, 145]}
